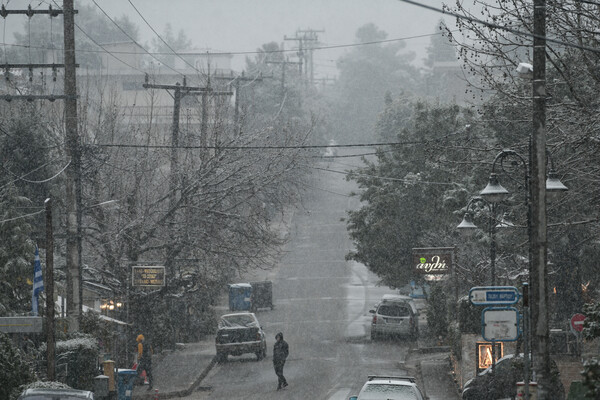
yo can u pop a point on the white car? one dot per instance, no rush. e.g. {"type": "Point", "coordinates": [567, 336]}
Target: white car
{"type": "Point", "coordinates": [389, 388]}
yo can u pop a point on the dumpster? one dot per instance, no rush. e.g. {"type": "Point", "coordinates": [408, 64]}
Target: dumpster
{"type": "Point", "coordinates": [239, 296]}
{"type": "Point", "coordinates": [125, 381]}
{"type": "Point", "coordinates": [262, 295]}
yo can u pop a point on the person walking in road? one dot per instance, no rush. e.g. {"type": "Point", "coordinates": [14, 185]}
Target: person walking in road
{"type": "Point", "coordinates": [280, 353]}
{"type": "Point", "coordinates": [144, 359]}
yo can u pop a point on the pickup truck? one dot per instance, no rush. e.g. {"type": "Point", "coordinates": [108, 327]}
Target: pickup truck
{"type": "Point", "coordinates": [238, 334]}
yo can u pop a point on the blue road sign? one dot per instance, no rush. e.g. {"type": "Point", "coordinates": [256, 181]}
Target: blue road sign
{"type": "Point", "coordinates": [494, 295]}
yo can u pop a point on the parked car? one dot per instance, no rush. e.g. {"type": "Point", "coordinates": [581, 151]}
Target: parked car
{"type": "Point", "coordinates": [508, 371]}
{"type": "Point", "coordinates": [56, 394]}
{"type": "Point", "coordinates": [395, 315]}
{"type": "Point", "coordinates": [238, 334]}
{"type": "Point", "coordinates": [389, 387]}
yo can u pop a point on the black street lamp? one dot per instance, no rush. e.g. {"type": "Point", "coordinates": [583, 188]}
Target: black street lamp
{"type": "Point", "coordinates": [467, 224]}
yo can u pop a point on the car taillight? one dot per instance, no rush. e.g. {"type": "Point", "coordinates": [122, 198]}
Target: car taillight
{"type": "Point", "coordinates": [374, 319]}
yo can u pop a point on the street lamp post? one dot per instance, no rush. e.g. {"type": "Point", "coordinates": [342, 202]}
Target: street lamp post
{"type": "Point", "coordinates": [467, 224]}
{"type": "Point", "coordinates": [536, 230]}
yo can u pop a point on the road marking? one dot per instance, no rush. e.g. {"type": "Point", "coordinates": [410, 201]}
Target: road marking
{"type": "Point", "coordinates": [341, 394]}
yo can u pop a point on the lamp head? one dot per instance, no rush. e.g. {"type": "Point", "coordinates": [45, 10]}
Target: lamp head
{"type": "Point", "coordinates": [467, 223]}
{"type": "Point", "coordinates": [494, 192]}
{"type": "Point", "coordinates": [554, 186]}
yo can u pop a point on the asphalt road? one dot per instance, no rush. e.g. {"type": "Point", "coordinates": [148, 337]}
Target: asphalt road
{"type": "Point", "coordinates": [321, 307]}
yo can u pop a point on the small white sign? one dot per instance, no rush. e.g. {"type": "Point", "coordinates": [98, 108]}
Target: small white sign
{"type": "Point", "coordinates": [500, 324]}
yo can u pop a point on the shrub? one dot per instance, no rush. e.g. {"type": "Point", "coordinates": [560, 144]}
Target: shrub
{"type": "Point", "coordinates": [14, 370]}
{"type": "Point", "coordinates": [76, 361]}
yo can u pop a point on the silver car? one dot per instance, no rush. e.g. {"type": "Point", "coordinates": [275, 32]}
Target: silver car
{"type": "Point", "coordinates": [395, 315]}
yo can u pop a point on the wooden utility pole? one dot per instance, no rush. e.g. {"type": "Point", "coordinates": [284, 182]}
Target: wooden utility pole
{"type": "Point", "coordinates": [178, 92]}
{"type": "Point", "coordinates": [236, 84]}
{"type": "Point", "coordinates": [284, 64]}
{"type": "Point", "coordinates": [73, 172]}
{"type": "Point", "coordinates": [49, 287]}
{"type": "Point", "coordinates": [538, 234]}
{"type": "Point", "coordinates": [310, 38]}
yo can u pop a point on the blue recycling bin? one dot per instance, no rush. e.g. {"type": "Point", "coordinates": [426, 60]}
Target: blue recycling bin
{"type": "Point", "coordinates": [125, 381]}
{"type": "Point", "coordinates": [240, 295]}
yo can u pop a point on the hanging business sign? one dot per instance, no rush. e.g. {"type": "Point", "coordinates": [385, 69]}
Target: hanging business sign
{"type": "Point", "coordinates": [433, 260]}
{"type": "Point", "coordinates": [500, 324]}
{"type": "Point", "coordinates": [148, 276]}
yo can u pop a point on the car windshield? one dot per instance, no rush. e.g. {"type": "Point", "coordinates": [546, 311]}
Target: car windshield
{"type": "Point", "coordinates": [236, 321]}
{"type": "Point", "coordinates": [393, 311]}
{"type": "Point", "coordinates": [388, 391]}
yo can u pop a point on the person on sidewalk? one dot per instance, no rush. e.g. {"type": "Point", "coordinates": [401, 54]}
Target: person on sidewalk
{"type": "Point", "coordinates": [280, 353]}
{"type": "Point", "coordinates": [144, 359]}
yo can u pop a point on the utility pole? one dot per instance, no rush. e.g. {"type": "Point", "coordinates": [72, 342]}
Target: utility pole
{"type": "Point", "coordinates": [310, 36]}
{"type": "Point", "coordinates": [236, 84]}
{"type": "Point", "coordinates": [538, 235]}
{"type": "Point", "coordinates": [50, 345]}
{"type": "Point", "coordinates": [73, 172]}
{"type": "Point", "coordinates": [284, 64]}
{"type": "Point", "coordinates": [179, 91]}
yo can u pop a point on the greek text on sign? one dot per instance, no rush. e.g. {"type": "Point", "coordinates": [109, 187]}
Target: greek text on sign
{"type": "Point", "coordinates": [433, 260]}
{"type": "Point", "coordinates": [148, 276]}
{"type": "Point", "coordinates": [493, 295]}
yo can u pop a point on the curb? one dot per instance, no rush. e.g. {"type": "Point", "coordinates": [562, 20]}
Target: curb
{"type": "Point", "coordinates": [179, 393]}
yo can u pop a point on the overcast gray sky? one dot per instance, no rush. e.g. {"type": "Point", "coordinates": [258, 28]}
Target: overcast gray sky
{"type": "Point", "coordinates": [244, 25]}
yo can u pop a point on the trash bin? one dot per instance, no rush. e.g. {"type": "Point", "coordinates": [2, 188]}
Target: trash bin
{"type": "Point", "coordinates": [262, 295]}
{"type": "Point", "coordinates": [125, 381]}
{"type": "Point", "coordinates": [239, 296]}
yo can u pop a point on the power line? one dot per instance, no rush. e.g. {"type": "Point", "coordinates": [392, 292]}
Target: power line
{"type": "Point", "coordinates": [493, 25]}
{"type": "Point", "coordinates": [156, 33]}
{"type": "Point", "coordinates": [104, 50]}
{"type": "Point", "coordinates": [143, 146]}
{"type": "Point", "coordinates": [386, 178]}
{"type": "Point", "coordinates": [133, 40]}
{"type": "Point", "coordinates": [158, 53]}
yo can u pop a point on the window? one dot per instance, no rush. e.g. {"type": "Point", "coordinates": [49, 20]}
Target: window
{"type": "Point", "coordinates": [394, 311]}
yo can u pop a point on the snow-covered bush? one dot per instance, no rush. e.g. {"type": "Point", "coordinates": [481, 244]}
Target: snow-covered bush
{"type": "Point", "coordinates": [76, 361]}
{"type": "Point", "coordinates": [591, 377]}
{"type": "Point", "coordinates": [14, 371]}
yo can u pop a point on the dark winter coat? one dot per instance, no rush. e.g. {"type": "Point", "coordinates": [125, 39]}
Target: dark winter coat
{"type": "Point", "coordinates": [280, 350]}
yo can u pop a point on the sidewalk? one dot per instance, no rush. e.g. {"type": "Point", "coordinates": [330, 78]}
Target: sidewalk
{"type": "Point", "coordinates": [432, 363]}
{"type": "Point", "coordinates": [178, 373]}
{"type": "Point", "coordinates": [435, 373]}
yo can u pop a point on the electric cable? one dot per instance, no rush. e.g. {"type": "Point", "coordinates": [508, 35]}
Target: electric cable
{"type": "Point", "coordinates": [135, 41]}
{"type": "Point", "coordinates": [167, 44]}
{"type": "Point", "coordinates": [385, 178]}
{"type": "Point", "coordinates": [504, 28]}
